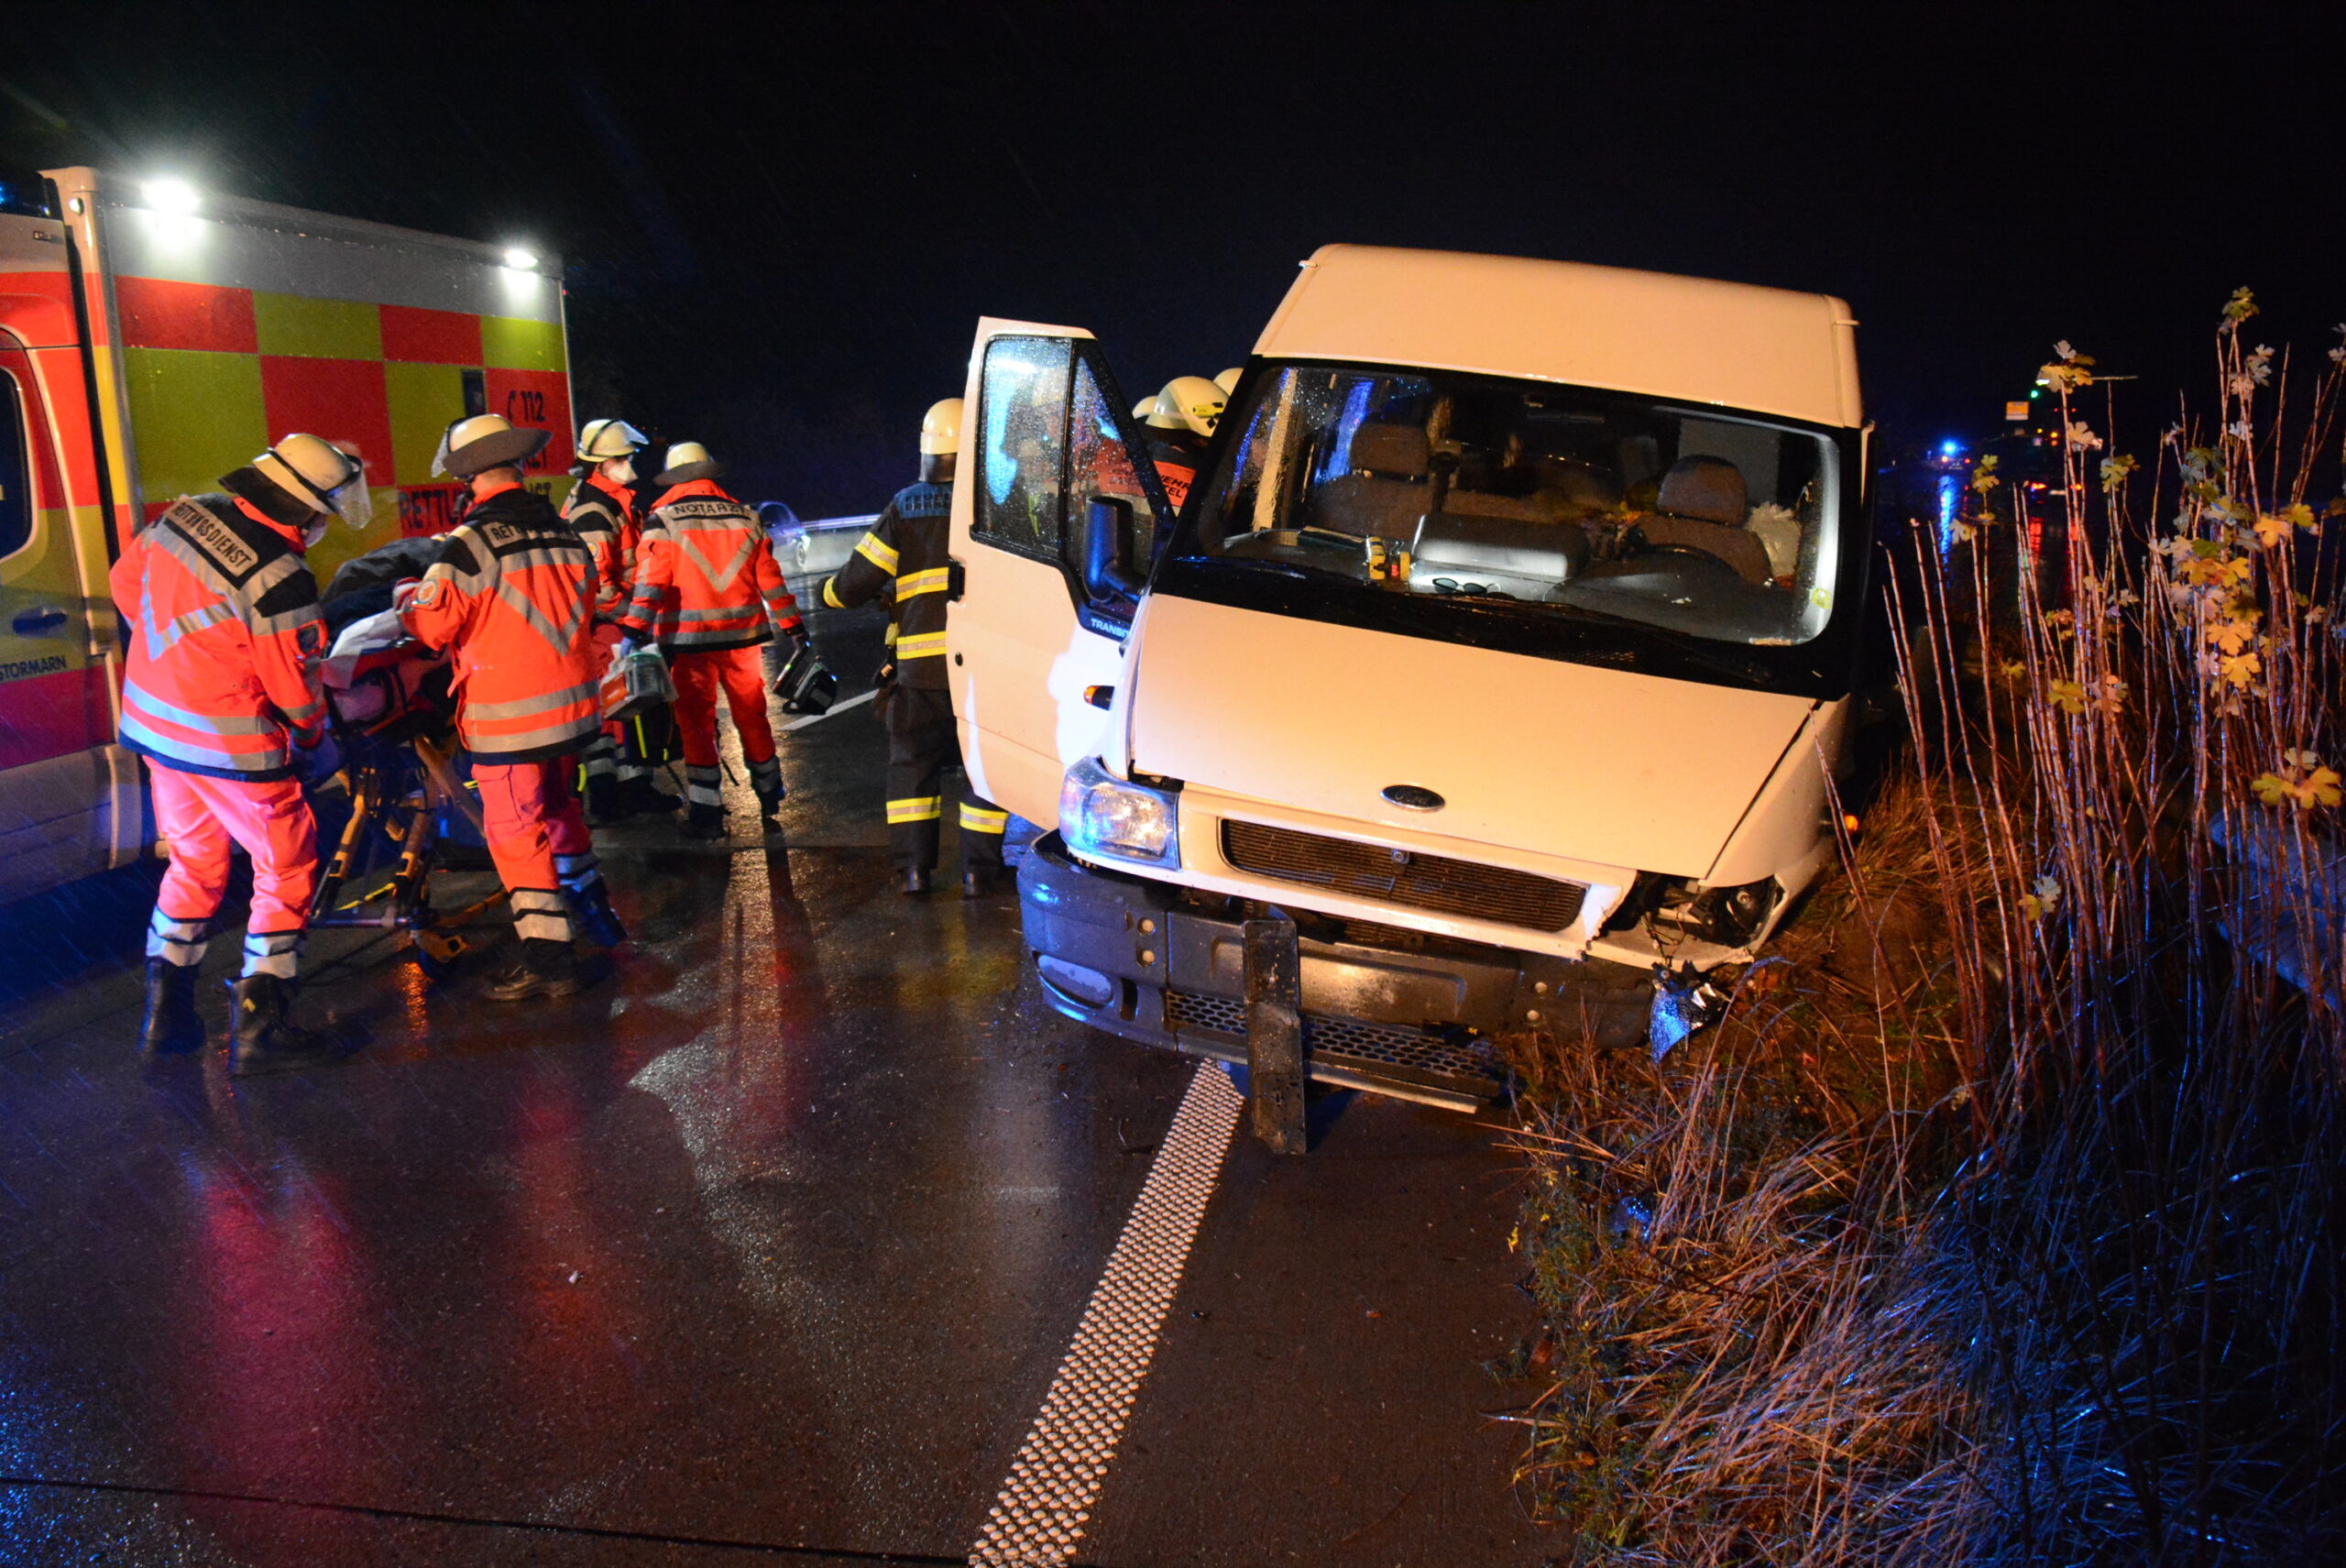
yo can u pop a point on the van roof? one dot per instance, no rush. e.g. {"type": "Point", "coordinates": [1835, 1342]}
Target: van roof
{"type": "Point", "coordinates": [1693, 339]}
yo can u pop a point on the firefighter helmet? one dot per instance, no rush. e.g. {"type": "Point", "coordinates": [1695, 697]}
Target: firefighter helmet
{"type": "Point", "coordinates": [940, 428]}
{"type": "Point", "coordinates": [1228, 380]}
{"type": "Point", "coordinates": [688, 461]}
{"type": "Point", "coordinates": [321, 477]}
{"type": "Point", "coordinates": [604, 439]}
{"type": "Point", "coordinates": [482, 441]}
{"type": "Point", "coordinates": [1188, 402]}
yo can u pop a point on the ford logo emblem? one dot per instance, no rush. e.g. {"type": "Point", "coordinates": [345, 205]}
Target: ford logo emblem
{"type": "Point", "coordinates": [1414, 798]}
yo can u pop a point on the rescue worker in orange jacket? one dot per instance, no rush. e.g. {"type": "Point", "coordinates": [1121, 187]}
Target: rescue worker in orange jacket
{"type": "Point", "coordinates": [904, 557]}
{"type": "Point", "coordinates": [1178, 425]}
{"type": "Point", "coordinates": [708, 587]}
{"type": "Point", "coordinates": [602, 508]}
{"type": "Point", "coordinates": [219, 694]}
{"type": "Point", "coordinates": [512, 596]}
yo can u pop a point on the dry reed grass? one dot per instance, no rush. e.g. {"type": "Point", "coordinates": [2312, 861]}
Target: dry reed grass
{"type": "Point", "coordinates": [1997, 1222]}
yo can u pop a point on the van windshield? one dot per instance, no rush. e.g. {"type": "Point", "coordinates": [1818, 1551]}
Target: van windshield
{"type": "Point", "coordinates": [1590, 504]}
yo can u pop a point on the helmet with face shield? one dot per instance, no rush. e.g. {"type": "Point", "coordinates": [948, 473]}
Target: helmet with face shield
{"type": "Point", "coordinates": [326, 480]}
{"type": "Point", "coordinates": [608, 447]}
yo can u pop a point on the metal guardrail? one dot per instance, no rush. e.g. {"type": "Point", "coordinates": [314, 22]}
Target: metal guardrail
{"type": "Point", "coordinates": [820, 546]}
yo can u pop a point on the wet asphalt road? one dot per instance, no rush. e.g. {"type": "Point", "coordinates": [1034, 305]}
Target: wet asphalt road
{"type": "Point", "coordinates": [767, 1246]}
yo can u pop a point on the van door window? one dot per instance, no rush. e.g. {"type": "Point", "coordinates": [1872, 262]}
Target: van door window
{"type": "Point", "coordinates": [1021, 453]}
{"type": "Point", "coordinates": [15, 472]}
{"type": "Point", "coordinates": [1100, 466]}
{"type": "Point", "coordinates": [1052, 438]}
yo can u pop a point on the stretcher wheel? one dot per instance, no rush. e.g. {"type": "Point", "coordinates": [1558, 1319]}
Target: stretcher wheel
{"type": "Point", "coordinates": [435, 953]}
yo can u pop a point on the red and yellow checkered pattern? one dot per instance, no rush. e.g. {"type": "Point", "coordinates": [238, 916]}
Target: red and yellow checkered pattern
{"type": "Point", "coordinates": [214, 374]}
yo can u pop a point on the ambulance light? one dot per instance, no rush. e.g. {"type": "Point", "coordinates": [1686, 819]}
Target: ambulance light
{"type": "Point", "coordinates": [174, 196]}
{"type": "Point", "coordinates": [520, 261]}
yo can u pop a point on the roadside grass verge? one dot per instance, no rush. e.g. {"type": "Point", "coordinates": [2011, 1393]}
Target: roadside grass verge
{"type": "Point", "coordinates": [1998, 1220]}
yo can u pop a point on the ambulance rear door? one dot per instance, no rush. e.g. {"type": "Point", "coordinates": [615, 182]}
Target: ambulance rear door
{"type": "Point", "coordinates": [70, 800]}
{"type": "Point", "coordinates": [1035, 657]}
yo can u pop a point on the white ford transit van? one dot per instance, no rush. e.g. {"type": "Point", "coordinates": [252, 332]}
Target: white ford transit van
{"type": "Point", "coordinates": [1505, 642]}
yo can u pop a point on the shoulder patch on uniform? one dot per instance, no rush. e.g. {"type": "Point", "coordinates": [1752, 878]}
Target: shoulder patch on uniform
{"type": "Point", "coordinates": [236, 549]}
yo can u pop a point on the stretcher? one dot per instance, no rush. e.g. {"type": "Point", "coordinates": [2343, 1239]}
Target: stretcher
{"type": "Point", "coordinates": [393, 718]}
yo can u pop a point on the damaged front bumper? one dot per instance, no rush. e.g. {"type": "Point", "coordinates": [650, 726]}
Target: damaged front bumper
{"type": "Point", "coordinates": [1387, 1008]}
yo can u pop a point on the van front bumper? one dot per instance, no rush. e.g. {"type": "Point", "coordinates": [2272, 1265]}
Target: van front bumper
{"type": "Point", "coordinates": [1386, 1009]}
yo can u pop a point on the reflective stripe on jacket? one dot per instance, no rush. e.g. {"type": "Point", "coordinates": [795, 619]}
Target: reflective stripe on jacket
{"type": "Point", "coordinates": [706, 575]}
{"type": "Point", "coordinates": [903, 555]}
{"type": "Point", "coordinates": [512, 595]}
{"type": "Point", "coordinates": [603, 514]}
{"type": "Point", "coordinates": [224, 641]}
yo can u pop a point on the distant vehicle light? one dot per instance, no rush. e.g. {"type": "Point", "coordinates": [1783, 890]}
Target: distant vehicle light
{"type": "Point", "coordinates": [174, 196]}
{"type": "Point", "coordinates": [520, 261]}
{"type": "Point", "coordinates": [1950, 447]}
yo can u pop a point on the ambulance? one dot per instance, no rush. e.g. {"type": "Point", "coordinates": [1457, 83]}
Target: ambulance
{"type": "Point", "coordinates": [1503, 652]}
{"type": "Point", "coordinates": [152, 338]}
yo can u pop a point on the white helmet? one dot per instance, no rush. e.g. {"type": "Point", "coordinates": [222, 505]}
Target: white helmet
{"type": "Point", "coordinates": [1188, 402]}
{"type": "Point", "coordinates": [1228, 380]}
{"type": "Point", "coordinates": [1146, 407]}
{"type": "Point", "coordinates": [321, 476]}
{"type": "Point", "coordinates": [475, 445]}
{"type": "Point", "coordinates": [604, 439]}
{"type": "Point", "coordinates": [688, 461]}
{"type": "Point", "coordinates": [940, 428]}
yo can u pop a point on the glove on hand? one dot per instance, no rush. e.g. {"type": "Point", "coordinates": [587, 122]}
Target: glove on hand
{"type": "Point", "coordinates": [314, 763]}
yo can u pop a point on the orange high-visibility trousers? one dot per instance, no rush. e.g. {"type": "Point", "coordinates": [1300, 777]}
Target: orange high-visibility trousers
{"type": "Point", "coordinates": [199, 817]}
{"type": "Point", "coordinates": [740, 672]}
{"type": "Point", "coordinates": [537, 835]}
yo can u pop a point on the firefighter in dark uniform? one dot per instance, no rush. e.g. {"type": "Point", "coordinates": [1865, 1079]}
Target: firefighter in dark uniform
{"type": "Point", "coordinates": [904, 555]}
{"type": "Point", "coordinates": [1177, 427]}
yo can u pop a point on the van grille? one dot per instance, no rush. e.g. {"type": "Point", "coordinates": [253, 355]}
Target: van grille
{"type": "Point", "coordinates": [1422, 882]}
{"type": "Point", "coordinates": [1461, 1061]}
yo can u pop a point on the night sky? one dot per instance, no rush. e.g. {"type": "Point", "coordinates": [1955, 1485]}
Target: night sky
{"type": "Point", "coordinates": [781, 223]}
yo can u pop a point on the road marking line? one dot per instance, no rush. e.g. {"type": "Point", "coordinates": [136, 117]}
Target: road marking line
{"type": "Point", "coordinates": [858, 700]}
{"type": "Point", "coordinates": [1047, 1497]}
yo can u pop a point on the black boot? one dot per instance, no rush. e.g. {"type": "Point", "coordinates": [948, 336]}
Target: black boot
{"type": "Point", "coordinates": [265, 1040]}
{"type": "Point", "coordinates": [642, 794]}
{"type": "Point", "coordinates": [170, 1026]}
{"type": "Point", "coordinates": [544, 969]}
{"type": "Point", "coordinates": [606, 802]}
{"type": "Point", "coordinates": [704, 822]}
{"type": "Point", "coordinates": [591, 911]}
{"type": "Point", "coordinates": [977, 882]}
{"type": "Point", "coordinates": [769, 807]}
{"type": "Point", "coordinates": [917, 880]}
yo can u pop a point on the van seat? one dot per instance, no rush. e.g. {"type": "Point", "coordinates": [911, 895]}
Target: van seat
{"type": "Point", "coordinates": [1385, 493]}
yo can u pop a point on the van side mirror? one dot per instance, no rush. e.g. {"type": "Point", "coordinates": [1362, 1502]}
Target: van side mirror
{"type": "Point", "coordinates": [1107, 566]}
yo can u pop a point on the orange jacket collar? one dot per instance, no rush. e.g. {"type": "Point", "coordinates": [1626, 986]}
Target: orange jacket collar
{"type": "Point", "coordinates": [498, 490]}
{"type": "Point", "coordinates": [623, 494]}
{"type": "Point", "coordinates": [692, 487]}
{"type": "Point", "coordinates": [290, 535]}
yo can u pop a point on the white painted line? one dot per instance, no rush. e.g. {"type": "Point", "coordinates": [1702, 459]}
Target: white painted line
{"type": "Point", "coordinates": [858, 700]}
{"type": "Point", "coordinates": [1057, 1476]}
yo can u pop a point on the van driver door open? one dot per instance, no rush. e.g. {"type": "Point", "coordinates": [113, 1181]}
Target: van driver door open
{"type": "Point", "coordinates": [1045, 433]}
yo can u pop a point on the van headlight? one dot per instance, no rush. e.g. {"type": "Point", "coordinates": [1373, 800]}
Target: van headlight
{"type": "Point", "coordinates": [1104, 815]}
